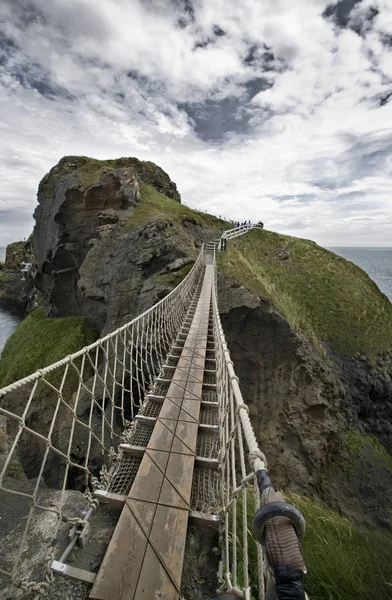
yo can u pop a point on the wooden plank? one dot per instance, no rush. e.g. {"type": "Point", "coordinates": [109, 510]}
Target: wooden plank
{"type": "Point", "coordinates": [118, 575]}
{"type": "Point", "coordinates": [112, 500]}
{"type": "Point", "coordinates": [160, 576]}
{"type": "Point", "coordinates": [177, 486]}
{"type": "Point", "coordinates": [73, 572]}
{"type": "Point", "coordinates": [145, 556]}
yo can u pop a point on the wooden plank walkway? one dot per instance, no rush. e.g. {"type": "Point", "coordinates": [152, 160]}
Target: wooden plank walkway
{"type": "Point", "coordinates": [145, 556]}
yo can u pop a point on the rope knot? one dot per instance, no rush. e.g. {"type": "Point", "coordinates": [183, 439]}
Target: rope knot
{"type": "Point", "coordinates": [242, 406]}
{"type": "Point", "coordinates": [256, 455]}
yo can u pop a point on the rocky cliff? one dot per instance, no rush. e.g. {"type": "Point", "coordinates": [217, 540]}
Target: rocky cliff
{"type": "Point", "coordinates": [16, 284]}
{"type": "Point", "coordinates": [110, 237]}
{"type": "Point", "coordinates": [310, 333]}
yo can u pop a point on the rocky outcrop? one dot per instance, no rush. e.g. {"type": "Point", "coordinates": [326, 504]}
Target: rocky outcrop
{"type": "Point", "coordinates": [302, 405]}
{"type": "Point", "coordinates": [16, 283]}
{"type": "Point", "coordinates": [89, 262]}
{"type": "Point", "coordinates": [94, 259]}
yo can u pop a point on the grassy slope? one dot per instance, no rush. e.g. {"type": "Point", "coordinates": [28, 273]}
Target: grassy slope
{"type": "Point", "coordinates": [39, 341]}
{"type": "Point", "coordinates": [345, 561]}
{"type": "Point", "coordinates": [323, 296]}
{"type": "Point", "coordinates": [154, 206]}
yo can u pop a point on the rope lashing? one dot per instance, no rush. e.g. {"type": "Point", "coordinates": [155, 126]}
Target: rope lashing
{"type": "Point", "coordinates": [94, 395]}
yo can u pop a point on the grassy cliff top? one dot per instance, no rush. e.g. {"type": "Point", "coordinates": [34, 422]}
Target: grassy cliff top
{"type": "Point", "coordinates": [155, 207]}
{"type": "Point", "coordinates": [89, 171]}
{"type": "Point", "coordinates": [323, 296]}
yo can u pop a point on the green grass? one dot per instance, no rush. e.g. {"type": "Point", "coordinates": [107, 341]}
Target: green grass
{"type": "Point", "coordinates": [357, 443]}
{"type": "Point", "coordinates": [38, 342]}
{"type": "Point", "coordinates": [323, 296]}
{"type": "Point", "coordinates": [87, 170]}
{"type": "Point", "coordinates": [15, 471]}
{"type": "Point", "coordinates": [5, 275]}
{"type": "Point", "coordinates": [345, 561]}
{"type": "Point", "coordinates": [155, 207]}
{"type": "Point", "coordinates": [173, 279]}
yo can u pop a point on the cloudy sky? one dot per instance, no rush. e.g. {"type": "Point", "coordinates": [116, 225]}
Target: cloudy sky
{"type": "Point", "coordinates": [277, 110]}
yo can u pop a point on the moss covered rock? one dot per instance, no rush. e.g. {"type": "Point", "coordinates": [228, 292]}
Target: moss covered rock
{"type": "Point", "coordinates": [39, 341]}
{"type": "Point", "coordinates": [89, 172]}
{"type": "Point", "coordinates": [105, 231]}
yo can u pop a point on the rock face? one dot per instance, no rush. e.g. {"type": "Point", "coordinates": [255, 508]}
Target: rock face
{"type": "Point", "coordinates": [88, 261]}
{"type": "Point", "coordinates": [302, 404]}
{"type": "Point", "coordinates": [16, 283]}
{"type": "Point", "coordinates": [94, 259]}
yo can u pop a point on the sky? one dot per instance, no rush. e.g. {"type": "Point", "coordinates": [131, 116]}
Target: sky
{"type": "Point", "coordinates": [268, 110]}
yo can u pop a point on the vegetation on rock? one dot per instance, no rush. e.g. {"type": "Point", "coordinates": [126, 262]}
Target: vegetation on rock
{"type": "Point", "coordinates": [90, 170]}
{"type": "Point", "coordinates": [173, 279]}
{"type": "Point", "coordinates": [345, 561]}
{"type": "Point", "coordinates": [323, 296]}
{"type": "Point", "coordinates": [16, 253]}
{"type": "Point", "coordinates": [39, 341]}
{"type": "Point", "coordinates": [155, 207]}
{"type": "Point", "coordinates": [358, 443]}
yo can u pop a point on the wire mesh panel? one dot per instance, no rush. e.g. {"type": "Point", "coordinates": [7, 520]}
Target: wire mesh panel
{"type": "Point", "coordinates": [207, 444]}
{"type": "Point", "coordinates": [208, 416]}
{"type": "Point", "coordinates": [150, 409]}
{"type": "Point", "coordinates": [140, 435]}
{"type": "Point", "coordinates": [205, 490]}
{"type": "Point", "coordinates": [60, 429]}
{"type": "Point", "coordinates": [125, 473]}
{"type": "Point", "coordinates": [209, 395]}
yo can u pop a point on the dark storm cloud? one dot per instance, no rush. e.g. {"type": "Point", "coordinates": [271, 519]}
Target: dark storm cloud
{"type": "Point", "coordinates": [217, 33]}
{"type": "Point", "coordinates": [214, 120]}
{"type": "Point", "coordinates": [32, 77]}
{"type": "Point", "coordinates": [186, 10]}
{"type": "Point", "coordinates": [259, 55]}
{"type": "Point", "coordinates": [340, 12]}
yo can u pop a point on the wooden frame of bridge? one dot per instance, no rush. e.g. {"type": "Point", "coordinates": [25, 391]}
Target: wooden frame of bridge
{"type": "Point", "coordinates": [145, 556]}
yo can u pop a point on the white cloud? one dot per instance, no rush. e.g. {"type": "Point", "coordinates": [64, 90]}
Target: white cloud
{"type": "Point", "coordinates": [114, 78]}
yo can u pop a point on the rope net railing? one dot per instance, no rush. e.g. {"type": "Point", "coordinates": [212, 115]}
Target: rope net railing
{"type": "Point", "coordinates": [260, 533]}
{"type": "Point", "coordinates": [60, 429]}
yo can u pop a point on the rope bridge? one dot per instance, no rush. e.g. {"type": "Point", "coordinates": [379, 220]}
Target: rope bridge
{"type": "Point", "coordinates": [158, 393]}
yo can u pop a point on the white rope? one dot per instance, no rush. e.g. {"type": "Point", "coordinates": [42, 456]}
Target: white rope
{"type": "Point", "coordinates": [244, 563]}
{"type": "Point", "coordinates": [94, 395]}
{"type": "Point", "coordinates": [89, 399]}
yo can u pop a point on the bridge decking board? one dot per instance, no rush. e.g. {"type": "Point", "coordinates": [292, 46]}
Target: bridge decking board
{"type": "Point", "coordinates": [145, 556]}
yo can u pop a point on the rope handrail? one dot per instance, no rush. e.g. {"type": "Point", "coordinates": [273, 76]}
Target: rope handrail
{"type": "Point", "coordinates": [278, 526]}
{"type": "Point", "coordinates": [91, 398]}
{"type": "Point", "coordinates": [86, 349]}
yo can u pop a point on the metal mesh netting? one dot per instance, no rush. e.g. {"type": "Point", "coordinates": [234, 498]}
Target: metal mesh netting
{"type": "Point", "coordinates": [205, 490]}
{"type": "Point", "coordinates": [150, 409]}
{"type": "Point", "coordinates": [207, 445]}
{"type": "Point", "coordinates": [124, 475]}
{"type": "Point", "coordinates": [61, 427]}
{"type": "Point", "coordinates": [208, 416]}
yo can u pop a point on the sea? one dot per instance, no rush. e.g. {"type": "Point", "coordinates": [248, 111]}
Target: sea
{"type": "Point", "coordinates": [377, 262]}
